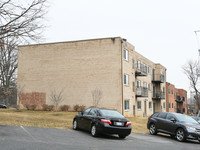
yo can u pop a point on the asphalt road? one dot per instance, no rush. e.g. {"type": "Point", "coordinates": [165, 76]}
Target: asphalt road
{"type": "Point", "coordinates": [30, 138]}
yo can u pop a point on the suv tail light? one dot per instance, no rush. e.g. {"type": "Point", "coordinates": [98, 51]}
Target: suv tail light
{"type": "Point", "coordinates": [148, 118]}
{"type": "Point", "coordinates": [106, 121]}
{"type": "Point", "coordinates": [128, 123]}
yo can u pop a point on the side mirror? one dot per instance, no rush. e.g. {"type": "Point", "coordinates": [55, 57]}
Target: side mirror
{"type": "Point", "coordinates": [80, 113]}
{"type": "Point", "coordinates": [173, 119]}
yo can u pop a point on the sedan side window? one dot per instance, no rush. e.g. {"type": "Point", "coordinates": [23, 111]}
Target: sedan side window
{"type": "Point", "coordinates": [86, 111]}
{"type": "Point", "coordinates": [93, 112]}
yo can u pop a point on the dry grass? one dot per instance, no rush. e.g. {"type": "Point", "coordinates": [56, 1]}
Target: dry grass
{"type": "Point", "coordinates": [60, 120]}
{"type": "Point", "coordinates": [139, 124]}
{"type": "Point", "coordinates": [43, 119]}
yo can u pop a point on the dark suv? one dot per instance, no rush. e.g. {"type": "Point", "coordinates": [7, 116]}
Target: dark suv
{"type": "Point", "coordinates": [177, 125]}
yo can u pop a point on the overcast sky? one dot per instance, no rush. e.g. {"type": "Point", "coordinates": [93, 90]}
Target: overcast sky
{"type": "Point", "coordinates": [160, 30]}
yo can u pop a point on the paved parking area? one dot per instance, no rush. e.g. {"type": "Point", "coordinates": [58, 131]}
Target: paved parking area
{"type": "Point", "coordinates": [30, 138]}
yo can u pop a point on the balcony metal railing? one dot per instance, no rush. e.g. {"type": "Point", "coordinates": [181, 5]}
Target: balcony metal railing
{"type": "Point", "coordinates": [159, 78]}
{"type": "Point", "coordinates": [140, 71]}
{"type": "Point", "coordinates": [141, 92]}
{"type": "Point", "coordinates": [180, 99]}
{"type": "Point", "coordinates": [158, 95]}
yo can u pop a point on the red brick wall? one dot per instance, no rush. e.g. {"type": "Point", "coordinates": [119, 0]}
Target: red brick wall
{"type": "Point", "coordinates": [33, 98]}
{"type": "Point", "coordinates": [183, 93]}
{"type": "Point", "coordinates": [171, 98]}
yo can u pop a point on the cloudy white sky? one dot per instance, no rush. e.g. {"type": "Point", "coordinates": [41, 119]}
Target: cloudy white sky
{"type": "Point", "coordinates": [161, 30]}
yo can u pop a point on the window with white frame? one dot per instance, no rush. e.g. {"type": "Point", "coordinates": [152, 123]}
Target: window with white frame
{"type": "Point", "coordinates": [149, 69]}
{"type": "Point", "coordinates": [163, 104]}
{"type": "Point", "coordinates": [138, 64]}
{"type": "Point", "coordinates": [133, 64]}
{"type": "Point", "coordinates": [138, 104]}
{"type": "Point", "coordinates": [126, 105]}
{"type": "Point", "coordinates": [133, 86]}
{"type": "Point", "coordinates": [138, 83]}
{"type": "Point", "coordinates": [125, 55]}
{"type": "Point", "coordinates": [144, 84]}
{"type": "Point", "coordinates": [126, 82]}
{"type": "Point", "coordinates": [144, 67]}
{"type": "Point", "coordinates": [149, 86]}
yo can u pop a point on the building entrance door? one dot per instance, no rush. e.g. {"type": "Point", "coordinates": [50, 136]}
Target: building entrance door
{"type": "Point", "coordinates": [154, 107]}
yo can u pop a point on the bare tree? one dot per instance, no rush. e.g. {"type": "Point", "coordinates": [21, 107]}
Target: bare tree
{"type": "Point", "coordinates": [8, 66]}
{"type": "Point", "coordinates": [56, 97]}
{"type": "Point", "coordinates": [22, 20]}
{"type": "Point", "coordinates": [96, 95]}
{"type": "Point", "coordinates": [192, 70]}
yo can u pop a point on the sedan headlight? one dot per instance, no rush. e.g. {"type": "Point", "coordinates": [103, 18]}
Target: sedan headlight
{"type": "Point", "coordinates": [190, 128]}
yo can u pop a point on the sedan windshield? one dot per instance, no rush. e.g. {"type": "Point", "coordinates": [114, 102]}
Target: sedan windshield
{"type": "Point", "coordinates": [185, 118]}
{"type": "Point", "coordinates": [111, 113]}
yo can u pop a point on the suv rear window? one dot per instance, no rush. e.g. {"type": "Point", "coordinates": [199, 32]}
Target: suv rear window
{"type": "Point", "coordinates": [162, 115]}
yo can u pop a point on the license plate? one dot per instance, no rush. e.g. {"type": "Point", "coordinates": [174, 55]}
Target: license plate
{"type": "Point", "coordinates": [118, 123]}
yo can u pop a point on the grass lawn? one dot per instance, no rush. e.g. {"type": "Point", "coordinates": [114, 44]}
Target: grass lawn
{"type": "Point", "coordinates": [59, 120]}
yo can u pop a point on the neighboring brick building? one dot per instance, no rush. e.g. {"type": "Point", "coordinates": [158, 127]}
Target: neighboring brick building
{"type": "Point", "coordinates": [130, 83]}
{"type": "Point", "coordinates": [176, 99]}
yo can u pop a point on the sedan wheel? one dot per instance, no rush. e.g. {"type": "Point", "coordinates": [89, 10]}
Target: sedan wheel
{"type": "Point", "coordinates": [180, 135]}
{"type": "Point", "coordinates": [93, 131]}
{"type": "Point", "coordinates": [75, 125]}
{"type": "Point", "coordinates": [152, 129]}
{"type": "Point", "coordinates": [121, 136]}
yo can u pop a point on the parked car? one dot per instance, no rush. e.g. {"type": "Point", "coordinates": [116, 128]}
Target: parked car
{"type": "Point", "coordinates": [3, 106]}
{"type": "Point", "coordinates": [196, 118]}
{"type": "Point", "coordinates": [97, 120]}
{"type": "Point", "coordinates": [180, 126]}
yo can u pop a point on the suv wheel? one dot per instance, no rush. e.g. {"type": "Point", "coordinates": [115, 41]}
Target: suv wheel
{"type": "Point", "coordinates": [180, 135]}
{"type": "Point", "coordinates": [152, 129]}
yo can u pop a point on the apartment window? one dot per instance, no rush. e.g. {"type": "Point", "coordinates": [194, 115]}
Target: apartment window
{"type": "Point", "coordinates": [126, 105]}
{"type": "Point", "coordinates": [139, 105]}
{"type": "Point", "coordinates": [125, 79]}
{"type": "Point", "coordinates": [138, 83]}
{"type": "Point", "coordinates": [149, 86]}
{"type": "Point", "coordinates": [172, 105]}
{"type": "Point", "coordinates": [172, 92]}
{"type": "Point", "coordinates": [163, 104]}
{"type": "Point", "coordinates": [133, 86]}
{"type": "Point", "coordinates": [144, 68]}
{"type": "Point", "coordinates": [169, 105]}
{"type": "Point", "coordinates": [133, 63]}
{"type": "Point", "coordinates": [125, 55]}
{"type": "Point", "coordinates": [144, 84]}
{"type": "Point", "coordinates": [138, 64]}
{"type": "Point", "coordinates": [168, 90]}
{"type": "Point", "coordinates": [150, 105]}
{"type": "Point", "coordinates": [149, 69]}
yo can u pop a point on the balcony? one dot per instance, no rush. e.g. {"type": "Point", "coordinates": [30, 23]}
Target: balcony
{"type": "Point", "coordinates": [179, 99]}
{"type": "Point", "coordinates": [158, 78]}
{"type": "Point", "coordinates": [140, 71]}
{"type": "Point", "coordinates": [158, 95]}
{"type": "Point", "coordinates": [141, 92]}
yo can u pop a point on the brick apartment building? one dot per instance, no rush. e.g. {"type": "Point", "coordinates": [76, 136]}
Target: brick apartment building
{"type": "Point", "coordinates": [176, 99]}
{"type": "Point", "coordinates": [129, 82]}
